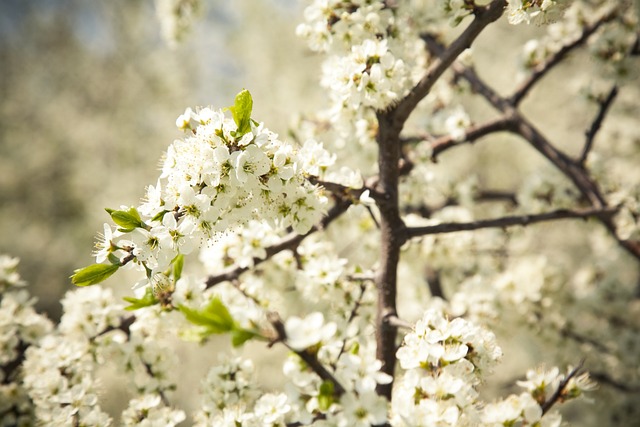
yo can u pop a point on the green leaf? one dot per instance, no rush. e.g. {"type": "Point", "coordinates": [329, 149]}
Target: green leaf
{"type": "Point", "coordinates": [146, 301]}
{"type": "Point", "coordinates": [128, 220]}
{"type": "Point", "coordinates": [113, 259]}
{"type": "Point", "coordinates": [325, 395]}
{"type": "Point", "coordinates": [241, 112]}
{"type": "Point", "coordinates": [215, 317]}
{"type": "Point", "coordinates": [178, 264]}
{"type": "Point", "coordinates": [93, 274]}
{"type": "Point", "coordinates": [239, 336]}
{"type": "Point", "coordinates": [159, 216]}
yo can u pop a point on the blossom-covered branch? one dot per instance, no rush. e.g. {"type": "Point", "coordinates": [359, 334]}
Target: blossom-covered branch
{"type": "Point", "coordinates": [289, 242]}
{"type": "Point", "coordinates": [483, 16]}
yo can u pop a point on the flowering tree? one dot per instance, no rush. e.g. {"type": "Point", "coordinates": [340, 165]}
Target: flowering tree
{"type": "Point", "coordinates": [349, 246]}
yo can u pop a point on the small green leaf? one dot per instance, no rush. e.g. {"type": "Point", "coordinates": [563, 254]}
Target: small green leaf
{"type": "Point", "coordinates": [325, 395]}
{"type": "Point", "coordinates": [215, 317]}
{"type": "Point", "coordinates": [241, 112]}
{"type": "Point", "coordinates": [218, 312]}
{"type": "Point", "coordinates": [178, 264]}
{"type": "Point", "coordinates": [159, 216]}
{"type": "Point", "coordinates": [146, 301]}
{"type": "Point", "coordinates": [239, 336]}
{"type": "Point", "coordinates": [93, 274]}
{"type": "Point", "coordinates": [113, 259]}
{"type": "Point", "coordinates": [128, 220]}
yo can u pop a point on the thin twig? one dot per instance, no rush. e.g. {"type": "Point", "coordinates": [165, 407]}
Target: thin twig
{"type": "Point", "coordinates": [597, 123]}
{"type": "Point", "coordinates": [472, 133]}
{"type": "Point", "coordinates": [307, 356]}
{"type": "Point", "coordinates": [399, 323]}
{"type": "Point", "coordinates": [342, 191]}
{"type": "Point", "coordinates": [291, 241]}
{"type": "Point", "coordinates": [497, 196]}
{"type": "Point", "coordinates": [557, 395]}
{"type": "Point", "coordinates": [508, 221]}
{"type": "Point", "coordinates": [603, 378]}
{"type": "Point", "coordinates": [352, 315]}
{"type": "Point", "coordinates": [542, 69]}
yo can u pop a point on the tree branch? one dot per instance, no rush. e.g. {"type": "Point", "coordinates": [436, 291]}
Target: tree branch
{"type": "Point", "coordinates": [509, 221]}
{"type": "Point", "coordinates": [542, 69]}
{"type": "Point", "coordinates": [597, 123]}
{"type": "Point", "coordinates": [291, 241]}
{"type": "Point", "coordinates": [391, 239]}
{"type": "Point", "coordinates": [557, 395]}
{"type": "Point", "coordinates": [571, 169]}
{"type": "Point", "coordinates": [483, 17]}
{"type": "Point", "coordinates": [307, 356]}
{"type": "Point", "coordinates": [472, 133]}
{"type": "Point", "coordinates": [603, 378]}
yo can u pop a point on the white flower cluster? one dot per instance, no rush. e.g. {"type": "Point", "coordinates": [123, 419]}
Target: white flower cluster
{"type": "Point", "coordinates": [307, 332]}
{"type": "Point", "coordinates": [217, 178]}
{"type": "Point", "coordinates": [90, 311]}
{"type": "Point", "coordinates": [321, 272]}
{"type": "Point", "coordinates": [612, 43]}
{"type": "Point", "coordinates": [457, 10]}
{"type": "Point", "coordinates": [241, 248]}
{"type": "Point", "coordinates": [59, 370]}
{"type": "Point", "coordinates": [148, 411]}
{"type": "Point", "coordinates": [358, 371]}
{"type": "Point", "coordinates": [58, 374]}
{"type": "Point", "coordinates": [231, 383]}
{"type": "Point", "coordinates": [526, 408]}
{"type": "Point", "coordinates": [231, 398]}
{"type": "Point", "coordinates": [536, 11]}
{"type": "Point", "coordinates": [444, 360]}
{"type": "Point", "coordinates": [20, 327]}
{"type": "Point", "coordinates": [372, 51]}
{"type": "Point", "coordinates": [147, 360]}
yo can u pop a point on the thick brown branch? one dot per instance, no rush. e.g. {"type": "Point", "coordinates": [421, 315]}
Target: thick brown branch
{"type": "Point", "coordinates": [391, 239]}
{"type": "Point", "coordinates": [508, 221]}
{"type": "Point", "coordinates": [483, 17]}
{"type": "Point", "coordinates": [597, 123]}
